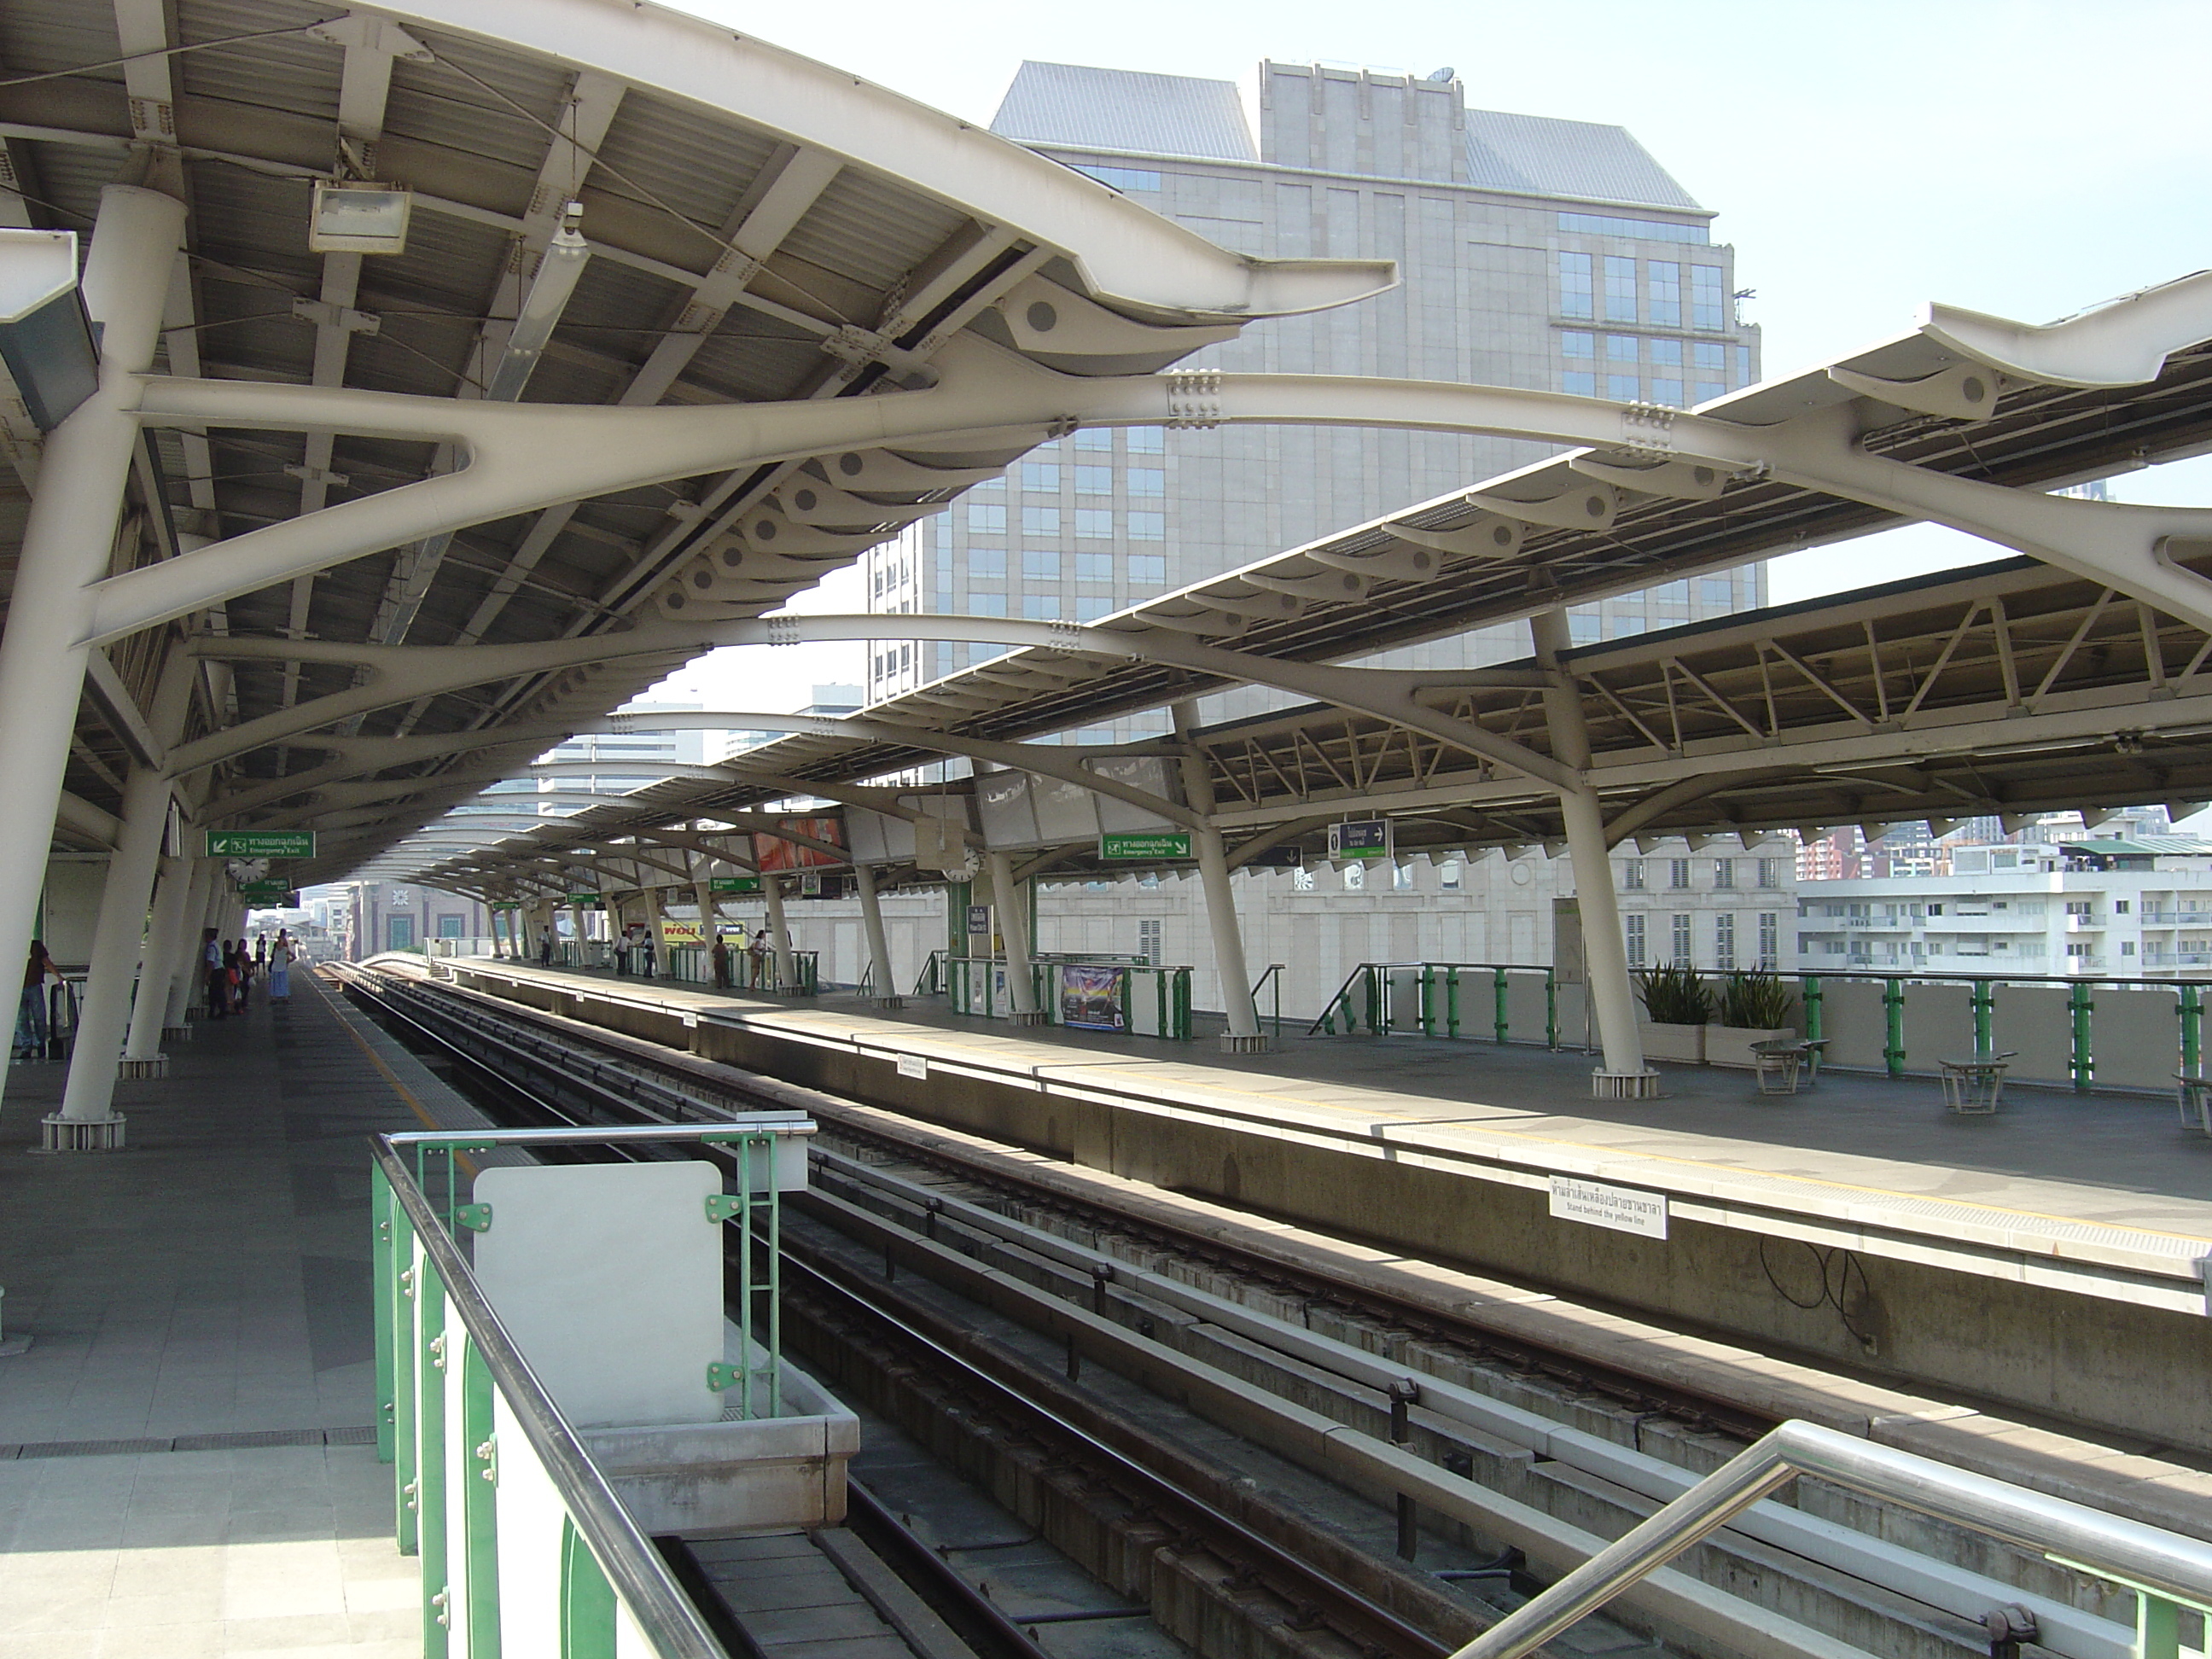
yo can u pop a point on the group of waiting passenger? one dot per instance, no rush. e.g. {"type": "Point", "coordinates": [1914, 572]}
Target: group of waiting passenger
{"type": "Point", "coordinates": [751, 956]}
{"type": "Point", "coordinates": [231, 967]}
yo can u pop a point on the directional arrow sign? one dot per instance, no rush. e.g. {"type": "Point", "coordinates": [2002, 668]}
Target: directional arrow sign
{"type": "Point", "coordinates": [1166, 846]}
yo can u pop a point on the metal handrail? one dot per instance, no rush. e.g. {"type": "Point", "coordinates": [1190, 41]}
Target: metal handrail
{"type": "Point", "coordinates": [1273, 977]}
{"type": "Point", "coordinates": [2156, 1562]}
{"type": "Point", "coordinates": [671, 1625]}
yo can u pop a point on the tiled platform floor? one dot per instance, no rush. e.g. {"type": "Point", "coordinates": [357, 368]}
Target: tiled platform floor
{"type": "Point", "coordinates": [212, 1280]}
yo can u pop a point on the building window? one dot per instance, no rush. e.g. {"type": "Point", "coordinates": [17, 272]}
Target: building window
{"type": "Point", "coordinates": [1578, 383]}
{"type": "Point", "coordinates": [1620, 348]}
{"type": "Point", "coordinates": [987, 519]}
{"type": "Point", "coordinates": [1575, 285]}
{"type": "Point", "coordinates": [1094, 480]}
{"type": "Point", "coordinates": [1042, 476]}
{"type": "Point", "coordinates": [1040, 521]}
{"type": "Point", "coordinates": [2127, 947]}
{"type": "Point", "coordinates": [1040, 565]}
{"type": "Point", "coordinates": [1401, 878]}
{"type": "Point", "coordinates": [1743, 365]}
{"type": "Point", "coordinates": [987, 564]}
{"type": "Point", "coordinates": [1041, 607]}
{"type": "Point", "coordinates": [1704, 391]}
{"type": "Point", "coordinates": [1631, 875]}
{"type": "Point", "coordinates": [1621, 388]}
{"type": "Point", "coordinates": [1682, 947]}
{"type": "Point", "coordinates": [1666, 353]}
{"type": "Point", "coordinates": [1146, 481]}
{"type": "Point", "coordinates": [1574, 344]}
{"type": "Point", "coordinates": [1723, 872]}
{"type": "Point", "coordinates": [1094, 567]}
{"type": "Point", "coordinates": [1770, 873]}
{"type": "Point", "coordinates": [1124, 179]}
{"type": "Point", "coordinates": [1148, 527]}
{"type": "Point", "coordinates": [987, 604]}
{"type": "Point", "coordinates": [1705, 297]}
{"type": "Point", "coordinates": [1090, 608]}
{"type": "Point", "coordinates": [1635, 926]}
{"type": "Point", "coordinates": [1147, 439]}
{"type": "Point", "coordinates": [1095, 437]}
{"type": "Point", "coordinates": [400, 931]}
{"type": "Point", "coordinates": [1664, 292]}
{"type": "Point", "coordinates": [1619, 290]}
{"type": "Point", "coordinates": [1677, 872]}
{"type": "Point", "coordinates": [1667, 392]}
{"type": "Point", "coordinates": [1716, 590]}
{"type": "Point", "coordinates": [1724, 942]}
{"type": "Point", "coordinates": [2120, 907]}
{"type": "Point", "coordinates": [1094, 524]}
{"type": "Point", "coordinates": [1770, 940]}
{"type": "Point", "coordinates": [1448, 875]}
{"type": "Point", "coordinates": [1152, 568]}
{"type": "Point", "coordinates": [1707, 354]}
{"type": "Point", "coordinates": [1148, 943]}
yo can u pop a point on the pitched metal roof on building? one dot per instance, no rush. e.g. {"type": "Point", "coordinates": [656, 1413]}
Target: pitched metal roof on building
{"type": "Point", "coordinates": [2144, 847]}
{"type": "Point", "coordinates": [1545, 156]}
{"type": "Point", "coordinates": [1122, 109]}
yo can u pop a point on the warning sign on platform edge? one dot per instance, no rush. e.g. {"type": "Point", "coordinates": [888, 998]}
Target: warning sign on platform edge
{"type": "Point", "coordinates": [1596, 1204]}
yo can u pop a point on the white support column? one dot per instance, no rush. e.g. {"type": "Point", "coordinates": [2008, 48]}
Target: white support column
{"type": "Point", "coordinates": [1612, 993]}
{"type": "Point", "coordinates": [656, 913]}
{"type": "Point", "coordinates": [872, 922]}
{"type": "Point", "coordinates": [188, 973]}
{"type": "Point", "coordinates": [779, 935]}
{"type": "Point", "coordinates": [1243, 1035]}
{"type": "Point", "coordinates": [157, 971]}
{"type": "Point", "coordinates": [68, 539]}
{"type": "Point", "coordinates": [702, 895]}
{"type": "Point", "coordinates": [87, 1121]}
{"type": "Point", "coordinates": [1008, 905]}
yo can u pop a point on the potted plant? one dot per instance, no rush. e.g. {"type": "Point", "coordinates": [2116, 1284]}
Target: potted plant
{"type": "Point", "coordinates": [1754, 1007]}
{"type": "Point", "coordinates": [1678, 1005]}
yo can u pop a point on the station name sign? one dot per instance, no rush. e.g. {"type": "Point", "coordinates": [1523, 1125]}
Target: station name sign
{"type": "Point", "coordinates": [584, 898]}
{"type": "Point", "coordinates": [261, 843]}
{"type": "Point", "coordinates": [1169, 846]}
{"type": "Point", "coordinates": [1359, 841]}
{"type": "Point", "coordinates": [733, 885]}
{"type": "Point", "coordinates": [281, 893]}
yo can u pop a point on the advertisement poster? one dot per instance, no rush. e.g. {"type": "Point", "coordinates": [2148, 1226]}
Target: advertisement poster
{"type": "Point", "coordinates": [681, 933]}
{"type": "Point", "coordinates": [1091, 996]}
{"type": "Point", "coordinates": [773, 852]}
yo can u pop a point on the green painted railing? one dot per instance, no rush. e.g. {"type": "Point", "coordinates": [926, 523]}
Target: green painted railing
{"type": "Point", "coordinates": [1868, 1020]}
{"type": "Point", "coordinates": [523, 1543]}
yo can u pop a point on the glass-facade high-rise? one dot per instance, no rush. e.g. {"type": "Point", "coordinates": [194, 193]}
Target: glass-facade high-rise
{"type": "Point", "coordinates": [1533, 251]}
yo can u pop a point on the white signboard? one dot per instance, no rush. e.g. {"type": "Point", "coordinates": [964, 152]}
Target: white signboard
{"type": "Point", "coordinates": [914, 1066]}
{"type": "Point", "coordinates": [1594, 1203]}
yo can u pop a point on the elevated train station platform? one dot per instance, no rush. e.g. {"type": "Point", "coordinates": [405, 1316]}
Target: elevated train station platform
{"type": "Point", "coordinates": [2048, 1257]}
{"type": "Point", "coordinates": [187, 1447]}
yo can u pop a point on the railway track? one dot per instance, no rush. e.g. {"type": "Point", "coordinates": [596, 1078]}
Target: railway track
{"type": "Point", "coordinates": [1482, 1442]}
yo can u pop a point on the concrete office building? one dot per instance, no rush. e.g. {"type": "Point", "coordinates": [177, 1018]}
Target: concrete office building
{"type": "Point", "coordinates": [2139, 906]}
{"type": "Point", "coordinates": [1533, 252]}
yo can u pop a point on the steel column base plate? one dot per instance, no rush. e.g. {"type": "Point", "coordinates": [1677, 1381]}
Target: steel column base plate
{"type": "Point", "coordinates": [1036, 1018]}
{"type": "Point", "coordinates": [177, 1033]}
{"type": "Point", "coordinates": [1233, 1044]}
{"type": "Point", "coordinates": [65, 1134]}
{"type": "Point", "coordinates": [129, 1069]}
{"type": "Point", "coordinates": [1624, 1085]}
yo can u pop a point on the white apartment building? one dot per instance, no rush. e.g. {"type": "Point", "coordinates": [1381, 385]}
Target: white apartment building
{"type": "Point", "coordinates": [2140, 907]}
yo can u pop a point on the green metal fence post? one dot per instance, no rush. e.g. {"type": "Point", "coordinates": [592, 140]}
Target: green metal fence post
{"type": "Point", "coordinates": [1498, 993]}
{"type": "Point", "coordinates": [387, 1270]}
{"type": "Point", "coordinates": [480, 1501]}
{"type": "Point", "coordinates": [2192, 1030]}
{"type": "Point", "coordinates": [1451, 1000]}
{"type": "Point", "coordinates": [406, 1386]}
{"type": "Point", "coordinates": [430, 1458]}
{"type": "Point", "coordinates": [587, 1600]}
{"type": "Point", "coordinates": [1893, 1005]}
{"type": "Point", "coordinates": [1550, 1007]}
{"type": "Point", "coordinates": [1808, 993]}
{"type": "Point", "coordinates": [2079, 1004]}
{"type": "Point", "coordinates": [1984, 1006]}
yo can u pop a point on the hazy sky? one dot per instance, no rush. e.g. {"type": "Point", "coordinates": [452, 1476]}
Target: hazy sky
{"type": "Point", "coordinates": [2020, 158]}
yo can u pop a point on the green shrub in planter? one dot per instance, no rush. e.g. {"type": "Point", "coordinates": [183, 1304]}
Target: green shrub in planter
{"type": "Point", "coordinates": [1674, 995]}
{"type": "Point", "coordinates": [1757, 1002]}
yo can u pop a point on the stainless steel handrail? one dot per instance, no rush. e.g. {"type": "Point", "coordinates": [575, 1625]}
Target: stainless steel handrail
{"type": "Point", "coordinates": [665, 1615]}
{"type": "Point", "coordinates": [2147, 1557]}
{"type": "Point", "coordinates": [734, 1128]}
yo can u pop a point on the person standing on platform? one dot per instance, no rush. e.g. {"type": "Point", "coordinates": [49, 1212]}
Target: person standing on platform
{"type": "Point", "coordinates": [261, 953]}
{"type": "Point", "coordinates": [217, 971]}
{"type": "Point", "coordinates": [721, 955]}
{"type": "Point", "coordinates": [757, 951]}
{"type": "Point", "coordinates": [31, 1007]}
{"type": "Point", "coordinates": [546, 945]}
{"type": "Point", "coordinates": [280, 968]}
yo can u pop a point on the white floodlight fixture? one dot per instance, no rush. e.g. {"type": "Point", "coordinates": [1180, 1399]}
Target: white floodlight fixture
{"type": "Point", "coordinates": [353, 216]}
{"type": "Point", "coordinates": [45, 338]}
